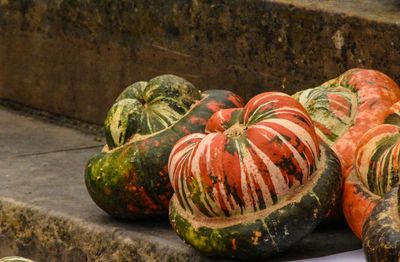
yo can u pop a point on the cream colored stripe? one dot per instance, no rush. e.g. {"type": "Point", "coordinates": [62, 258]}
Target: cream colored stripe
{"type": "Point", "coordinates": [246, 190]}
{"type": "Point", "coordinates": [278, 180]}
{"type": "Point", "coordinates": [255, 112]}
{"type": "Point", "coordinates": [300, 160]}
{"type": "Point", "coordinates": [195, 168]}
{"type": "Point", "coordinates": [183, 189]}
{"type": "Point", "coordinates": [176, 155]}
{"type": "Point", "coordinates": [363, 157]}
{"type": "Point", "coordinates": [300, 132]}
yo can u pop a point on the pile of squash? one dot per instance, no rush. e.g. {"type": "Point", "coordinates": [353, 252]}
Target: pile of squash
{"type": "Point", "coordinates": [250, 180]}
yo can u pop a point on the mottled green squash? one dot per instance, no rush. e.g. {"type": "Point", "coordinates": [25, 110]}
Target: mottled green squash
{"type": "Point", "coordinates": [381, 231]}
{"type": "Point", "coordinates": [145, 108]}
{"type": "Point", "coordinates": [129, 178]}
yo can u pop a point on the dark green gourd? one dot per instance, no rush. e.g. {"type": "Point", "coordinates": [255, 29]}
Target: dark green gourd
{"type": "Point", "coordinates": [129, 178]}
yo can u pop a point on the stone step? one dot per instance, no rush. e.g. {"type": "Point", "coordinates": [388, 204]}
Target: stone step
{"type": "Point", "coordinates": [46, 213]}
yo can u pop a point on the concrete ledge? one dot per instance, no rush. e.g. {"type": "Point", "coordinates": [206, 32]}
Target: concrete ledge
{"type": "Point", "coordinates": [46, 235]}
{"type": "Point", "coordinates": [75, 57]}
{"type": "Point", "coordinates": [46, 213]}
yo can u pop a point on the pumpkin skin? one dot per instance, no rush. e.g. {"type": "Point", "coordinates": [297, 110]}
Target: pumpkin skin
{"type": "Point", "coordinates": [393, 115]}
{"type": "Point", "coordinates": [381, 231]}
{"type": "Point", "coordinates": [258, 182]}
{"type": "Point", "coordinates": [346, 107]}
{"type": "Point", "coordinates": [129, 178]}
{"type": "Point", "coordinates": [376, 171]}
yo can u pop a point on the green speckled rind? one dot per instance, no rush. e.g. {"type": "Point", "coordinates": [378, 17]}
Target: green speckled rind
{"type": "Point", "coordinates": [381, 231]}
{"type": "Point", "coordinates": [148, 107]}
{"type": "Point", "coordinates": [393, 119]}
{"type": "Point", "coordinates": [318, 101]}
{"type": "Point", "coordinates": [264, 236]}
{"type": "Point", "coordinates": [393, 116]}
{"type": "Point", "coordinates": [128, 112]}
{"type": "Point", "coordinates": [132, 180]}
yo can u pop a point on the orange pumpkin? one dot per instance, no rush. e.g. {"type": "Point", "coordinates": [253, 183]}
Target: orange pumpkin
{"type": "Point", "coordinates": [375, 171]}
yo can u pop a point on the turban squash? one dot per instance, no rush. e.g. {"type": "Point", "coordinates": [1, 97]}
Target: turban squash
{"type": "Point", "coordinates": [129, 178]}
{"type": "Point", "coordinates": [381, 231]}
{"type": "Point", "coordinates": [256, 183]}
{"type": "Point", "coordinates": [375, 172]}
{"type": "Point", "coordinates": [346, 107]}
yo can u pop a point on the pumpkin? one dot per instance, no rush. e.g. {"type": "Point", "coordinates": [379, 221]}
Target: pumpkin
{"type": "Point", "coordinates": [129, 178]}
{"type": "Point", "coordinates": [256, 183]}
{"type": "Point", "coordinates": [346, 107]}
{"type": "Point", "coordinates": [381, 231]}
{"type": "Point", "coordinates": [376, 171]}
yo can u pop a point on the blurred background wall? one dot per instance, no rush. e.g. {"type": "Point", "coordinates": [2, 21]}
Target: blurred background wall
{"type": "Point", "coordinates": [73, 57]}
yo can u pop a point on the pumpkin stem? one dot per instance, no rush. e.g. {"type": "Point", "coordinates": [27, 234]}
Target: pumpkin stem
{"type": "Point", "coordinates": [236, 130]}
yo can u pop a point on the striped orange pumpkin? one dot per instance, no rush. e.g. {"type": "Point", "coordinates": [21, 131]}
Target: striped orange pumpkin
{"type": "Point", "coordinates": [346, 107]}
{"type": "Point", "coordinates": [375, 171]}
{"type": "Point", "coordinates": [256, 183]}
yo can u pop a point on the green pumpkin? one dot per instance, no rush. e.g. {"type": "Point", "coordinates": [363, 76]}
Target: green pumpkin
{"type": "Point", "coordinates": [129, 178]}
{"type": "Point", "coordinates": [146, 108]}
{"type": "Point", "coordinates": [381, 231]}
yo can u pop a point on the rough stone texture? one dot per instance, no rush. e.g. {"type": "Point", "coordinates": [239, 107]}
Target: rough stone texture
{"type": "Point", "coordinates": [75, 56]}
{"type": "Point", "coordinates": [47, 236]}
{"type": "Point", "coordinates": [46, 213]}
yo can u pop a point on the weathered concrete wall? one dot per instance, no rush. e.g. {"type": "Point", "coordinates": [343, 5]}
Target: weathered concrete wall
{"type": "Point", "coordinates": [74, 57]}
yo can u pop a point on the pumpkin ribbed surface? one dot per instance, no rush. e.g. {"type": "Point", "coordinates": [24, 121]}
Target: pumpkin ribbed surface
{"type": "Point", "coordinates": [258, 164]}
{"type": "Point", "coordinates": [377, 160]}
{"type": "Point", "coordinates": [129, 178]}
{"type": "Point", "coordinates": [344, 108]}
{"type": "Point", "coordinates": [274, 151]}
{"type": "Point", "coordinates": [148, 107]}
{"type": "Point", "coordinates": [376, 171]}
{"type": "Point", "coordinates": [334, 108]}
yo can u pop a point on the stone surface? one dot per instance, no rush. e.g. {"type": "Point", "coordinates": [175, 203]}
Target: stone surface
{"type": "Point", "coordinates": [46, 213]}
{"type": "Point", "coordinates": [27, 142]}
{"type": "Point", "coordinates": [75, 57]}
